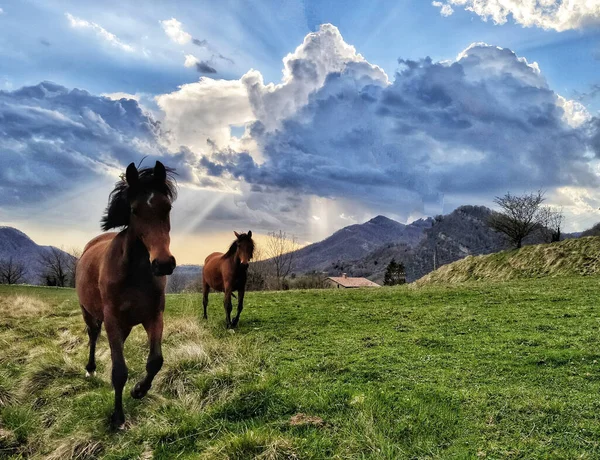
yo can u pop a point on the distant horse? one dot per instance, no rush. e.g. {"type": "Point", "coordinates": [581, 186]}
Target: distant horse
{"type": "Point", "coordinates": [227, 273]}
{"type": "Point", "coordinates": [121, 276]}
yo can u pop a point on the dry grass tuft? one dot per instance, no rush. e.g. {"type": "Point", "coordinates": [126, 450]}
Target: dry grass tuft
{"type": "Point", "coordinates": [76, 448]}
{"type": "Point", "coordinates": [303, 419]}
{"type": "Point", "coordinates": [252, 444]}
{"type": "Point", "coordinates": [69, 341]}
{"type": "Point", "coordinates": [20, 306]}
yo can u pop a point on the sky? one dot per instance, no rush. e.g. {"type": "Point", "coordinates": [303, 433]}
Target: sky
{"type": "Point", "coordinates": [304, 116]}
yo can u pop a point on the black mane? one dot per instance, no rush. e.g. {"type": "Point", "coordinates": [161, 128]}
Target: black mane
{"type": "Point", "coordinates": [233, 248]}
{"type": "Point", "coordinates": [118, 210]}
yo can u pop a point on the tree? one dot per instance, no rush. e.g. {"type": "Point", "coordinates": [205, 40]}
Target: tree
{"type": "Point", "coordinates": [177, 282]}
{"type": "Point", "coordinates": [75, 254]}
{"type": "Point", "coordinates": [279, 252]}
{"type": "Point", "coordinates": [58, 267]}
{"type": "Point", "coordinates": [12, 271]}
{"type": "Point", "coordinates": [518, 216]}
{"type": "Point", "coordinates": [394, 274]}
{"type": "Point", "coordinates": [550, 221]}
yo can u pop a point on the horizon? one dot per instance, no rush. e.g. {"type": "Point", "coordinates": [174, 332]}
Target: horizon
{"type": "Point", "coordinates": [308, 121]}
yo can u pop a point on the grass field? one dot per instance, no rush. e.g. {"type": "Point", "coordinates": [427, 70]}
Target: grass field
{"type": "Point", "coordinates": [478, 370]}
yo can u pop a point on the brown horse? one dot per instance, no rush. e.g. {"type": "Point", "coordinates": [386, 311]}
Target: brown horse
{"type": "Point", "coordinates": [227, 273]}
{"type": "Point", "coordinates": [121, 276]}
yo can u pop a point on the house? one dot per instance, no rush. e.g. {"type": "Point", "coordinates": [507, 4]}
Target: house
{"type": "Point", "coordinates": [345, 282]}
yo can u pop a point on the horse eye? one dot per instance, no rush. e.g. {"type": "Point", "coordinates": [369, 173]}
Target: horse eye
{"type": "Point", "coordinates": [134, 211]}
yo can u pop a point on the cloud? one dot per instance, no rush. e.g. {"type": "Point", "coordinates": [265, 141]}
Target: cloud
{"type": "Point", "coordinates": [559, 15]}
{"type": "Point", "coordinates": [203, 112]}
{"type": "Point", "coordinates": [174, 30]}
{"type": "Point", "coordinates": [215, 54]}
{"type": "Point", "coordinates": [337, 128]}
{"type": "Point", "coordinates": [335, 137]}
{"type": "Point", "coordinates": [190, 60]}
{"type": "Point", "coordinates": [54, 139]}
{"type": "Point", "coordinates": [445, 9]}
{"type": "Point", "coordinates": [1, 11]}
{"type": "Point", "coordinates": [322, 53]}
{"type": "Point", "coordinates": [201, 66]}
{"type": "Point", "coordinates": [121, 95]}
{"type": "Point", "coordinates": [204, 67]}
{"type": "Point", "coordinates": [104, 34]}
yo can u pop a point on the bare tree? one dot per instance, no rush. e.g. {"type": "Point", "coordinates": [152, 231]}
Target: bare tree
{"type": "Point", "coordinates": [75, 254]}
{"type": "Point", "coordinates": [57, 267]}
{"type": "Point", "coordinates": [518, 217]}
{"type": "Point", "coordinates": [279, 251]}
{"type": "Point", "coordinates": [177, 282]}
{"type": "Point", "coordinates": [550, 221]}
{"type": "Point", "coordinates": [258, 271]}
{"type": "Point", "coordinates": [12, 271]}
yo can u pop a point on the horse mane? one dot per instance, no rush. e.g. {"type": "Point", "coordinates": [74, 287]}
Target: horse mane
{"type": "Point", "coordinates": [119, 209]}
{"type": "Point", "coordinates": [233, 248]}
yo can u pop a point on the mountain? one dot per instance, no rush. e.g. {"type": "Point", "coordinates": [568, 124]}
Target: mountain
{"type": "Point", "coordinates": [16, 244]}
{"type": "Point", "coordinates": [443, 240]}
{"type": "Point", "coordinates": [454, 236]}
{"type": "Point", "coordinates": [355, 242]}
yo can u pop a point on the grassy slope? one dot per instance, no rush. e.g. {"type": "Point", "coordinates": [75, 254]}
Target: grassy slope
{"type": "Point", "coordinates": [499, 370]}
{"type": "Point", "coordinates": [571, 257]}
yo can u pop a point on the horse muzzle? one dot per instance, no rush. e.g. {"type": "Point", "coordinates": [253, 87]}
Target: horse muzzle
{"type": "Point", "coordinates": [163, 268]}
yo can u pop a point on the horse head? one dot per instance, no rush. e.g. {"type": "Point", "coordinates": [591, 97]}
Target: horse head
{"type": "Point", "coordinates": [245, 247]}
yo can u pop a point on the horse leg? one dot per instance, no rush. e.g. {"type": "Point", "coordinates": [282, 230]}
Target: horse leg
{"type": "Point", "coordinates": [154, 330]}
{"type": "Point", "coordinates": [205, 290]}
{"type": "Point", "coordinates": [116, 338]}
{"type": "Point", "coordinates": [228, 307]}
{"type": "Point", "coordinates": [93, 330]}
{"type": "Point", "coordinates": [240, 306]}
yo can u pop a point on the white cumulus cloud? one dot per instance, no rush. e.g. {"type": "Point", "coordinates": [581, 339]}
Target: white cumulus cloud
{"type": "Point", "coordinates": [559, 15]}
{"type": "Point", "coordinates": [190, 60]}
{"type": "Point", "coordinates": [174, 30]}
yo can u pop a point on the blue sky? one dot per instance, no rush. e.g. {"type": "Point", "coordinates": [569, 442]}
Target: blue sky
{"type": "Point", "coordinates": [323, 147]}
{"type": "Point", "coordinates": [37, 42]}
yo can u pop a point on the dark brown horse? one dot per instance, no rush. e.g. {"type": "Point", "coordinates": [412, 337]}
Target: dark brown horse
{"type": "Point", "coordinates": [121, 276]}
{"type": "Point", "coordinates": [227, 273]}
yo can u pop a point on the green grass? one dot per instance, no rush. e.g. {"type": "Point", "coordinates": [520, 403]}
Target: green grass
{"type": "Point", "coordinates": [573, 257]}
{"type": "Point", "coordinates": [479, 370]}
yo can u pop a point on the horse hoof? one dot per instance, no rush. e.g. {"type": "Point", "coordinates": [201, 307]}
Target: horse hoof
{"type": "Point", "coordinates": [137, 392]}
{"type": "Point", "coordinates": [90, 374]}
{"type": "Point", "coordinates": [117, 422]}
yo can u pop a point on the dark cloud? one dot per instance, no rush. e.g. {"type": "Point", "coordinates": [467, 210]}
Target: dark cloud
{"type": "Point", "coordinates": [215, 54]}
{"type": "Point", "coordinates": [53, 139]}
{"type": "Point", "coordinates": [586, 96]}
{"type": "Point", "coordinates": [484, 124]}
{"type": "Point", "coordinates": [201, 43]}
{"type": "Point", "coordinates": [204, 67]}
{"type": "Point", "coordinates": [45, 42]}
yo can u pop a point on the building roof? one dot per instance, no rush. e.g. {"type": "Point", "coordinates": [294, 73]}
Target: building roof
{"type": "Point", "coordinates": [349, 282]}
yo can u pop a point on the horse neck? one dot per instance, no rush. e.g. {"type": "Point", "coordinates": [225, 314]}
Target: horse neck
{"type": "Point", "coordinates": [233, 260]}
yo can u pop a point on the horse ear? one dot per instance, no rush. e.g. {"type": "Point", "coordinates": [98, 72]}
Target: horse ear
{"type": "Point", "coordinates": [131, 175]}
{"type": "Point", "coordinates": [237, 235]}
{"type": "Point", "coordinates": [250, 233]}
{"type": "Point", "coordinates": [160, 172]}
